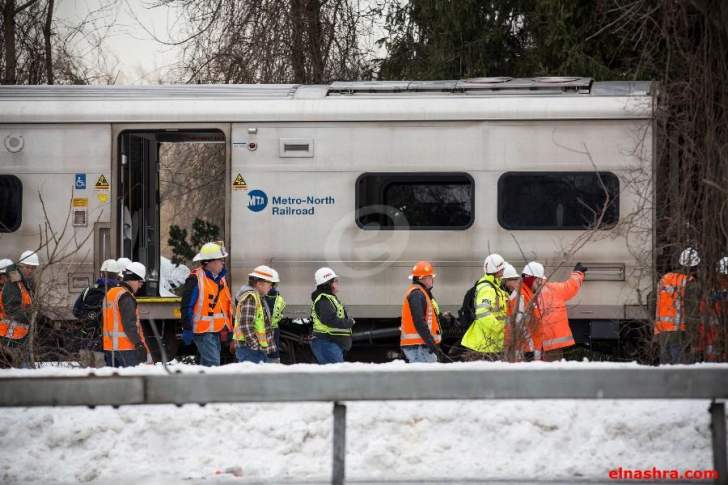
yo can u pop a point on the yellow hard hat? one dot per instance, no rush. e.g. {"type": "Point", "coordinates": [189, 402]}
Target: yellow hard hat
{"type": "Point", "coordinates": [210, 251]}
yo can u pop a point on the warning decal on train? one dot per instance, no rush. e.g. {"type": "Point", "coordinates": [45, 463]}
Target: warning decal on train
{"type": "Point", "coordinates": [102, 183]}
{"type": "Point", "coordinates": [239, 183]}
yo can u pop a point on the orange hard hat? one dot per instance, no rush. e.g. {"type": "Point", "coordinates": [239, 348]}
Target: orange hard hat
{"type": "Point", "coordinates": [421, 269]}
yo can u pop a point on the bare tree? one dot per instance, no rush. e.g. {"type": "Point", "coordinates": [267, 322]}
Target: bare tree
{"type": "Point", "coordinates": [270, 41]}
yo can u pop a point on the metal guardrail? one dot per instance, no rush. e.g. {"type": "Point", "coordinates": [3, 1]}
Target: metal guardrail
{"type": "Point", "coordinates": [385, 385]}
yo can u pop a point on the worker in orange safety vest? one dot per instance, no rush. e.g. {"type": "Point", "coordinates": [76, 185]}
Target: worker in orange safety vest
{"type": "Point", "coordinates": [678, 306]}
{"type": "Point", "coordinates": [420, 330]}
{"type": "Point", "coordinates": [123, 339]}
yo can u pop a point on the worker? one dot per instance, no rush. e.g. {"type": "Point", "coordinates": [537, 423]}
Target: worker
{"type": "Point", "coordinates": [420, 329]}
{"type": "Point", "coordinates": [331, 322]}
{"type": "Point", "coordinates": [277, 306]}
{"type": "Point", "coordinates": [518, 342]}
{"type": "Point", "coordinates": [17, 299]}
{"type": "Point", "coordinates": [123, 339]}
{"type": "Point", "coordinates": [484, 338]}
{"type": "Point", "coordinates": [554, 333]}
{"type": "Point", "coordinates": [88, 303]}
{"type": "Point", "coordinates": [206, 306]}
{"type": "Point", "coordinates": [253, 334]}
{"type": "Point", "coordinates": [678, 306]}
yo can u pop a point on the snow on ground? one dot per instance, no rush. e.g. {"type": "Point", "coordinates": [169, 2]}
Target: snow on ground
{"type": "Point", "coordinates": [393, 440]}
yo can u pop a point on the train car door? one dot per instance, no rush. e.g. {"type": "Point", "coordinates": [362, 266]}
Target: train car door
{"type": "Point", "coordinates": [169, 189]}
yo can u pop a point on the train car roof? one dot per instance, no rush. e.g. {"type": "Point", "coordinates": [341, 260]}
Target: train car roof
{"type": "Point", "coordinates": [470, 99]}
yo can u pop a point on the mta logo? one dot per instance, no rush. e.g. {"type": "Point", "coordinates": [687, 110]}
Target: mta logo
{"type": "Point", "coordinates": [258, 200]}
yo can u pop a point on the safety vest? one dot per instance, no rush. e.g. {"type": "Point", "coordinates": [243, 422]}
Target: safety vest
{"type": "Point", "coordinates": [409, 335]}
{"type": "Point", "coordinates": [319, 326]}
{"type": "Point", "coordinates": [115, 338]}
{"type": "Point", "coordinates": [10, 328]}
{"type": "Point", "coordinates": [486, 333]}
{"type": "Point", "coordinates": [277, 314]}
{"type": "Point", "coordinates": [519, 330]}
{"type": "Point", "coordinates": [258, 323]}
{"type": "Point", "coordinates": [670, 316]}
{"type": "Point", "coordinates": [213, 308]}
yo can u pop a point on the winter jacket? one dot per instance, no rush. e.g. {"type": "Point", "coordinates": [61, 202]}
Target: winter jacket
{"type": "Point", "coordinates": [326, 312]}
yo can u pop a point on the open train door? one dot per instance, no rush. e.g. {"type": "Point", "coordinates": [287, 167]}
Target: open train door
{"type": "Point", "coordinates": [169, 191]}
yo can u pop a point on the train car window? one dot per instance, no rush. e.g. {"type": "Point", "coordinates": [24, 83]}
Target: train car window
{"type": "Point", "coordinates": [11, 203]}
{"type": "Point", "coordinates": [407, 200]}
{"type": "Point", "coordinates": [558, 200]}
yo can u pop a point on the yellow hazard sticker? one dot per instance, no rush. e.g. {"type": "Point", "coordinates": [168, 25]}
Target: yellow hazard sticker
{"type": "Point", "coordinates": [103, 197]}
{"type": "Point", "coordinates": [102, 183]}
{"type": "Point", "coordinates": [80, 202]}
{"type": "Point", "coordinates": [239, 183]}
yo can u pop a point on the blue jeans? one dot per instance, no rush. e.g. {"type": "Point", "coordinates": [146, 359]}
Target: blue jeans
{"type": "Point", "coordinates": [418, 353]}
{"type": "Point", "coordinates": [208, 346]}
{"type": "Point", "coordinates": [122, 358]}
{"type": "Point", "coordinates": [246, 354]}
{"type": "Point", "coordinates": [326, 351]}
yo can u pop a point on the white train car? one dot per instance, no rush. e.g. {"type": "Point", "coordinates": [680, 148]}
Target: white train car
{"type": "Point", "coordinates": [365, 177]}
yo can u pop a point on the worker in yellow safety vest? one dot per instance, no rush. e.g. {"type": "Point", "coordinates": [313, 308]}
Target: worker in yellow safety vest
{"type": "Point", "coordinates": [253, 333]}
{"type": "Point", "coordinates": [485, 336]}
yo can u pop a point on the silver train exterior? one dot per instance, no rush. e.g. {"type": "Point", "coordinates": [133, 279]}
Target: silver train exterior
{"type": "Point", "coordinates": [302, 152]}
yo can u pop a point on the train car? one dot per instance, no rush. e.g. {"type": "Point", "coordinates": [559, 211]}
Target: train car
{"type": "Point", "coordinates": [365, 177]}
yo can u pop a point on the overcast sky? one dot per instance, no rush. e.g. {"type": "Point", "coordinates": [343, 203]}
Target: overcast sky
{"type": "Point", "coordinates": [137, 56]}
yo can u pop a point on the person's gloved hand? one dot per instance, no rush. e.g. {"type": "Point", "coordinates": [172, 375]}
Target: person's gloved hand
{"type": "Point", "coordinates": [581, 268]}
{"type": "Point", "coordinates": [187, 336]}
{"type": "Point", "coordinates": [232, 347]}
{"type": "Point", "coordinates": [224, 334]}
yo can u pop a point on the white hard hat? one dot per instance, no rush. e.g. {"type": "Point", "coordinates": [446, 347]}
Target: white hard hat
{"type": "Point", "coordinates": [534, 269]}
{"type": "Point", "coordinates": [29, 258]}
{"type": "Point", "coordinates": [111, 266]}
{"type": "Point", "coordinates": [263, 272]}
{"type": "Point", "coordinates": [509, 272]}
{"type": "Point", "coordinates": [210, 251]}
{"type": "Point", "coordinates": [138, 269]}
{"type": "Point", "coordinates": [323, 275]}
{"type": "Point", "coordinates": [276, 277]}
{"type": "Point", "coordinates": [723, 265]}
{"type": "Point", "coordinates": [123, 263]}
{"type": "Point", "coordinates": [689, 258]}
{"type": "Point", "coordinates": [4, 264]}
{"type": "Point", "coordinates": [494, 263]}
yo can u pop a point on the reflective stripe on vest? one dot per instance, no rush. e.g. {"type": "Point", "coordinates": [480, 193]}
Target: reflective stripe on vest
{"type": "Point", "coordinates": [13, 329]}
{"type": "Point", "coordinates": [554, 341]}
{"type": "Point", "coordinates": [277, 314]}
{"type": "Point", "coordinates": [670, 303]}
{"type": "Point", "coordinates": [115, 338]}
{"type": "Point", "coordinates": [204, 317]}
{"type": "Point", "coordinates": [408, 331]}
{"type": "Point", "coordinates": [321, 327]}
{"type": "Point", "coordinates": [258, 323]}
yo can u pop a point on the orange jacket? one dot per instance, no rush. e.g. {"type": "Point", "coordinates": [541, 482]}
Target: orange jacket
{"type": "Point", "coordinates": [12, 329]}
{"type": "Point", "coordinates": [213, 309]}
{"type": "Point", "coordinates": [409, 334]}
{"type": "Point", "coordinates": [554, 329]}
{"type": "Point", "coordinates": [526, 318]}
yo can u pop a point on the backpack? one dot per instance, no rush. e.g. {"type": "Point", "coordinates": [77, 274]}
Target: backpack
{"type": "Point", "coordinates": [88, 305]}
{"type": "Point", "coordinates": [466, 313]}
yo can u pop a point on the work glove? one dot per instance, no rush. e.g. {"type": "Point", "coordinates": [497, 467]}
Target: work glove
{"type": "Point", "coordinates": [187, 336]}
{"type": "Point", "coordinates": [224, 334]}
{"type": "Point", "coordinates": [232, 347]}
{"type": "Point", "coordinates": [581, 268]}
